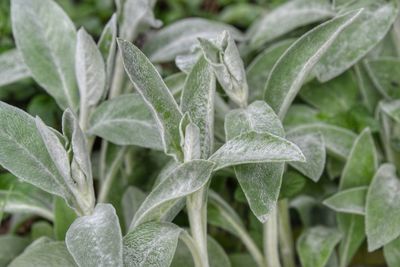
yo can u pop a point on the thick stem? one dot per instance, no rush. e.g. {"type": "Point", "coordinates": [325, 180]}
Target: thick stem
{"type": "Point", "coordinates": [197, 212]}
{"type": "Point", "coordinates": [270, 240]}
{"type": "Point", "coordinates": [285, 235]}
{"type": "Point", "coordinates": [193, 248]}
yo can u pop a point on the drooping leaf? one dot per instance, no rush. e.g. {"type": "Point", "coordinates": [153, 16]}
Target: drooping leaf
{"type": "Point", "coordinates": [155, 94]}
{"type": "Point", "coordinates": [359, 38]}
{"type": "Point", "coordinates": [348, 201]}
{"type": "Point", "coordinates": [12, 67]}
{"type": "Point", "coordinates": [184, 180]}
{"type": "Point", "coordinates": [96, 240]}
{"type": "Point", "coordinates": [180, 37]}
{"type": "Point", "coordinates": [383, 73]}
{"type": "Point", "coordinates": [382, 212]}
{"type": "Point", "coordinates": [392, 253]}
{"type": "Point", "coordinates": [316, 245]}
{"type": "Point", "coordinates": [295, 65]}
{"type": "Point", "coordinates": [151, 244]}
{"type": "Point", "coordinates": [288, 17]}
{"type": "Point", "coordinates": [11, 247]}
{"type": "Point", "coordinates": [126, 120]}
{"type": "Point", "coordinates": [46, 38]}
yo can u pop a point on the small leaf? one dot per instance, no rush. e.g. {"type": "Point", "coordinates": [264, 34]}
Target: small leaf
{"type": "Point", "coordinates": [348, 201]}
{"type": "Point", "coordinates": [46, 38]}
{"type": "Point", "coordinates": [392, 253]}
{"type": "Point", "coordinates": [316, 245]}
{"type": "Point", "coordinates": [293, 68]}
{"type": "Point", "coordinates": [382, 209]}
{"type": "Point", "coordinates": [184, 180]}
{"type": "Point", "coordinates": [151, 244]}
{"type": "Point", "coordinates": [126, 120]}
{"type": "Point", "coordinates": [384, 74]}
{"type": "Point", "coordinates": [12, 67]}
{"type": "Point", "coordinates": [156, 95]}
{"type": "Point", "coordinates": [95, 240]}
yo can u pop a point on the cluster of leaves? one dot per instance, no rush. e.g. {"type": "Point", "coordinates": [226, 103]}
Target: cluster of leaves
{"type": "Point", "coordinates": [158, 123]}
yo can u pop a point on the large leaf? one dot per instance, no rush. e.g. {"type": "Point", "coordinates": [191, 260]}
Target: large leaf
{"type": "Point", "coordinates": [12, 67]}
{"type": "Point", "coordinates": [384, 74]}
{"type": "Point", "coordinates": [293, 68]}
{"type": "Point", "coordinates": [316, 245]}
{"type": "Point", "coordinates": [182, 181]}
{"type": "Point", "coordinates": [11, 247]}
{"type": "Point", "coordinates": [382, 209]}
{"type": "Point", "coordinates": [151, 244]}
{"type": "Point", "coordinates": [149, 84]}
{"type": "Point", "coordinates": [46, 38]}
{"type": "Point", "coordinates": [392, 253]}
{"type": "Point", "coordinates": [358, 39]}
{"type": "Point", "coordinates": [348, 201]}
{"type": "Point", "coordinates": [286, 18]}
{"type": "Point", "coordinates": [179, 37]}
{"type": "Point", "coordinates": [96, 240]}
{"type": "Point", "coordinates": [198, 100]}
{"type": "Point", "coordinates": [126, 120]}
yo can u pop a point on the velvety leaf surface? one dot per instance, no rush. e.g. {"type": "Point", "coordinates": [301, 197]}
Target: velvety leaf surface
{"type": "Point", "coordinates": [348, 201]}
{"type": "Point", "coordinates": [392, 253]}
{"type": "Point", "coordinates": [11, 247]}
{"type": "Point", "coordinates": [369, 93]}
{"type": "Point", "coordinates": [12, 67]}
{"type": "Point", "coordinates": [384, 74]}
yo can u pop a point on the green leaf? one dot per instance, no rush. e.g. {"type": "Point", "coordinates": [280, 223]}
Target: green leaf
{"type": "Point", "coordinates": [155, 93]}
{"type": "Point", "coordinates": [12, 67]}
{"type": "Point", "coordinates": [259, 69]}
{"type": "Point", "coordinates": [179, 38]}
{"type": "Point", "coordinates": [11, 247]}
{"type": "Point", "coordinates": [25, 155]}
{"type": "Point", "coordinates": [382, 209]}
{"type": "Point", "coordinates": [365, 33]}
{"type": "Point", "coordinates": [95, 240]}
{"type": "Point", "coordinates": [176, 82]}
{"type": "Point", "coordinates": [184, 180]}
{"type": "Point", "coordinates": [255, 147]}
{"type": "Point", "coordinates": [299, 114]}
{"type": "Point", "coordinates": [369, 93]}
{"type": "Point", "coordinates": [197, 100]}
{"type": "Point", "coordinates": [90, 71]}
{"type": "Point", "coordinates": [348, 201]}
{"type": "Point", "coordinates": [64, 216]}
{"type": "Point", "coordinates": [315, 246]}
{"type": "Point", "coordinates": [142, 245]}
{"type": "Point", "coordinates": [42, 229]}
{"type": "Point", "coordinates": [384, 74]}
{"type": "Point", "coordinates": [293, 68]}
{"type": "Point", "coordinates": [126, 120]}
{"type": "Point", "coordinates": [224, 57]}
{"type": "Point", "coordinates": [131, 200]}
{"type": "Point", "coordinates": [46, 38]}
{"type": "Point", "coordinates": [107, 45]}
{"type": "Point", "coordinates": [286, 18]}
{"type": "Point", "coordinates": [392, 253]}
{"type": "Point", "coordinates": [391, 108]}
{"type": "Point", "coordinates": [45, 254]}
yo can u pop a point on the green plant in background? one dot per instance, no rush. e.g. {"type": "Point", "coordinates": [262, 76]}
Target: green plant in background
{"type": "Point", "coordinates": [164, 145]}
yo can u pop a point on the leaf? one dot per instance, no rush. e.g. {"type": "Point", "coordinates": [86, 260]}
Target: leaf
{"type": "Point", "coordinates": [348, 201]}
{"type": "Point", "coordinates": [359, 38]}
{"type": "Point", "coordinates": [299, 114]}
{"type": "Point", "coordinates": [156, 95]}
{"type": "Point", "coordinates": [241, 259]}
{"type": "Point", "coordinates": [12, 67]}
{"type": "Point", "coordinates": [382, 212]}
{"type": "Point", "coordinates": [126, 120]}
{"type": "Point", "coordinates": [392, 253]}
{"type": "Point", "coordinates": [151, 244]}
{"type": "Point", "coordinates": [392, 109]}
{"type": "Point", "coordinates": [184, 180]}
{"type": "Point", "coordinates": [44, 254]}
{"type": "Point", "coordinates": [259, 69]}
{"type": "Point", "coordinates": [369, 94]}
{"type": "Point", "coordinates": [41, 229]}
{"type": "Point", "coordinates": [90, 71]}
{"type": "Point", "coordinates": [95, 240]}
{"type": "Point", "coordinates": [316, 245]}
{"type": "Point", "coordinates": [297, 62]}
{"type": "Point", "coordinates": [178, 38]}
{"type": "Point", "coordinates": [224, 57]}
{"type": "Point", "coordinates": [107, 45]}
{"type": "Point", "coordinates": [197, 100]}
{"type": "Point", "coordinates": [313, 148]}
{"type": "Point", "coordinates": [176, 82]}
{"type": "Point", "coordinates": [64, 216]}
{"type": "Point", "coordinates": [131, 200]}
{"type": "Point", "coordinates": [11, 247]}
{"type": "Point", "coordinates": [338, 140]}
{"type": "Point", "coordinates": [19, 139]}
{"type": "Point", "coordinates": [46, 38]}
{"type": "Point", "coordinates": [286, 18]}
{"type": "Point", "coordinates": [383, 73]}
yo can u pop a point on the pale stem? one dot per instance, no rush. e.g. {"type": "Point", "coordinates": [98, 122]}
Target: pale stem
{"type": "Point", "coordinates": [193, 248]}
{"type": "Point", "coordinates": [270, 240]}
{"type": "Point", "coordinates": [285, 234]}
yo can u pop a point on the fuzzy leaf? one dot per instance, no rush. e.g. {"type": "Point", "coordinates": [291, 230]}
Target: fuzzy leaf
{"type": "Point", "coordinates": [46, 38]}
{"type": "Point", "coordinates": [11, 247]}
{"type": "Point", "coordinates": [107, 45]}
{"type": "Point", "coordinates": [131, 201]}
{"type": "Point", "coordinates": [369, 93]}
{"type": "Point", "coordinates": [12, 67]}
{"type": "Point", "coordinates": [384, 74]}
{"type": "Point", "coordinates": [293, 68]}
{"type": "Point", "coordinates": [126, 120]}
{"type": "Point", "coordinates": [382, 209]}
{"type": "Point", "coordinates": [156, 95]}
{"type": "Point", "coordinates": [348, 201]}
{"type": "Point", "coordinates": [392, 253]}
{"type": "Point", "coordinates": [64, 216]}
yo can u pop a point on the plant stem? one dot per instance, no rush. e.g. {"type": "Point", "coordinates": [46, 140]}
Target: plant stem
{"type": "Point", "coordinates": [192, 246]}
{"type": "Point", "coordinates": [270, 240]}
{"type": "Point", "coordinates": [285, 234]}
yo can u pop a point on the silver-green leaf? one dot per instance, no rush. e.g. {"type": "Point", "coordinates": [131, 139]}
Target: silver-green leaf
{"type": "Point", "coordinates": [348, 201]}
{"type": "Point", "coordinates": [12, 67]}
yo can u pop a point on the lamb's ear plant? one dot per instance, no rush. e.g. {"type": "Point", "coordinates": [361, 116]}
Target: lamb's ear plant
{"type": "Point", "coordinates": [152, 165]}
